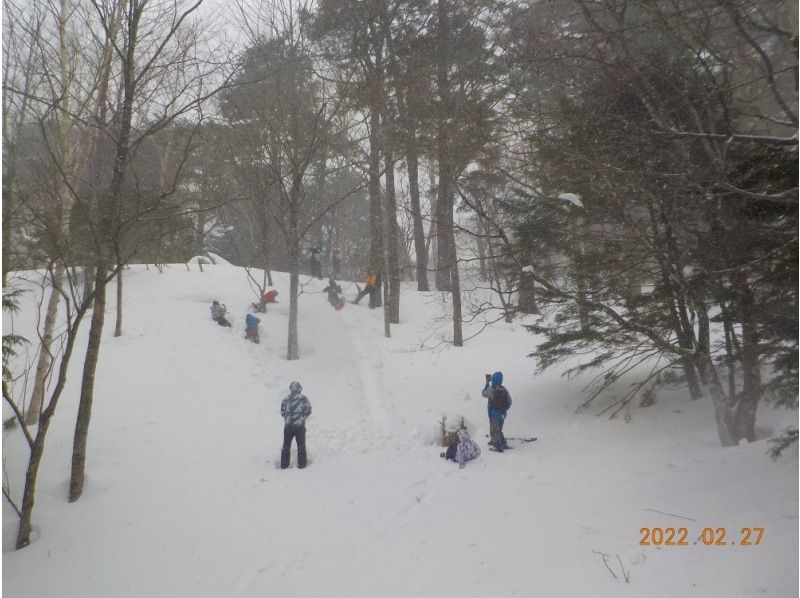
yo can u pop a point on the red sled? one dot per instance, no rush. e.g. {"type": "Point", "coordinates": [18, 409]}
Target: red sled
{"type": "Point", "coordinates": [337, 303]}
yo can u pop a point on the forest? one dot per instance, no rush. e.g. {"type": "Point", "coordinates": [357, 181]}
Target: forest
{"type": "Point", "coordinates": [627, 171]}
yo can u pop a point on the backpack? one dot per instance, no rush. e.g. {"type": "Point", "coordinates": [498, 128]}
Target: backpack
{"type": "Point", "coordinates": [500, 399]}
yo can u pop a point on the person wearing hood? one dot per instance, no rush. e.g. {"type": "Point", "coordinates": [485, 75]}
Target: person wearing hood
{"type": "Point", "coordinates": [499, 402]}
{"type": "Point", "coordinates": [251, 328]}
{"type": "Point", "coordinates": [316, 261]}
{"type": "Point", "coordinates": [295, 408]}
{"type": "Point", "coordinates": [464, 450]}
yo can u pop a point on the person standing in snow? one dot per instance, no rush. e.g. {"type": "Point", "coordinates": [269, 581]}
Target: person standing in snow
{"type": "Point", "coordinates": [218, 313]}
{"type": "Point", "coordinates": [369, 287]}
{"type": "Point", "coordinates": [336, 263]}
{"type": "Point", "coordinates": [464, 450]}
{"type": "Point", "coordinates": [316, 261]}
{"type": "Point", "coordinates": [295, 408]}
{"type": "Point", "coordinates": [498, 405]}
{"type": "Point", "coordinates": [251, 328]}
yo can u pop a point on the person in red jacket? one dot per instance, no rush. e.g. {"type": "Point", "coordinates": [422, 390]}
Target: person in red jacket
{"type": "Point", "coordinates": [267, 297]}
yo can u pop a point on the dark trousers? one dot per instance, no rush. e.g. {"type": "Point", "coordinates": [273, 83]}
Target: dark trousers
{"type": "Point", "coordinates": [496, 433]}
{"type": "Point", "coordinates": [364, 291]}
{"type": "Point", "coordinates": [251, 333]}
{"type": "Point", "coordinates": [298, 432]}
{"type": "Point", "coordinates": [222, 321]}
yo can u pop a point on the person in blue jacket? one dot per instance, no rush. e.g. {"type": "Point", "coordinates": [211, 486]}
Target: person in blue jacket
{"type": "Point", "coordinates": [251, 328]}
{"type": "Point", "coordinates": [499, 402]}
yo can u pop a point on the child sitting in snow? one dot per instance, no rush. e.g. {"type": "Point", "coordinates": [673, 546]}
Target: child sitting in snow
{"type": "Point", "coordinates": [267, 297]}
{"type": "Point", "coordinates": [334, 298]}
{"type": "Point", "coordinates": [218, 313]}
{"type": "Point", "coordinates": [462, 451]}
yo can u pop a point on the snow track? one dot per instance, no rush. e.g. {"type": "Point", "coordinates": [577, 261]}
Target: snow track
{"type": "Point", "coordinates": [182, 497]}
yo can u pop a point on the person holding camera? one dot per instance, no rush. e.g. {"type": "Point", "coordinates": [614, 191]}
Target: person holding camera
{"type": "Point", "coordinates": [498, 406]}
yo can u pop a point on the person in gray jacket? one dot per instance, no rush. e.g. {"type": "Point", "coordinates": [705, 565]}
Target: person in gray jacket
{"type": "Point", "coordinates": [295, 408]}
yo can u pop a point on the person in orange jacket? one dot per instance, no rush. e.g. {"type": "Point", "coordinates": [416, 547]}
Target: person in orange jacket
{"type": "Point", "coordinates": [369, 287]}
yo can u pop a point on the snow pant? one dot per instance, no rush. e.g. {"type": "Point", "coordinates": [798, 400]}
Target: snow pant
{"type": "Point", "coordinates": [251, 333]}
{"type": "Point", "coordinates": [298, 432]}
{"type": "Point", "coordinates": [496, 433]}
{"type": "Point", "coordinates": [222, 321]}
{"type": "Point", "coordinates": [316, 269]}
{"type": "Point", "coordinates": [366, 290]}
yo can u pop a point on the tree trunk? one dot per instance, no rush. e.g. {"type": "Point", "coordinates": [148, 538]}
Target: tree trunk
{"type": "Point", "coordinates": [458, 337]}
{"type": "Point", "coordinates": [745, 419]}
{"type": "Point", "coordinates": [45, 354]}
{"type": "Point", "coordinates": [37, 448]}
{"type": "Point", "coordinates": [88, 280]}
{"type": "Point", "coordinates": [703, 337]}
{"type": "Point", "coordinates": [412, 162]}
{"type": "Point", "coordinates": [684, 340]}
{"type": "Point", "coordinates": [730, 355]}
{"type": "Point", "coordinates": [29, 494]}
{"type": "Point", "coordinates": [293, 344]}
{"type": "Point", "coordinates": [722, 411]}
{"type": "Point", "coordinates": [393, 262]}
{"type": "Point", "coordinates": [481, 242]}
{"type": "Point", "coordinates": [108, 211]}
{"type": "Point", "coordinates": [8, 195]}
{"type": "Point", "coordinates": [118, 326]}
{"type": "Point", "coordinates": [87, 386]}
{"type": "Point", "coordinates": [527, 294]}
{"type": "Point", "coordinates": [375, 207]}
{"type": "Point", "coordinates": [444, 201]}
{"type": "Point", "coordinates": [293, 347]}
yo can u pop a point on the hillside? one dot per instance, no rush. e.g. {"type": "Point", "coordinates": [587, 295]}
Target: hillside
{"type": "Point", "coordinates": [183, 497]}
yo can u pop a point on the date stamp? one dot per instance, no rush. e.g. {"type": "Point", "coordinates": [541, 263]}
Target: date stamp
{"type": "Point", "coordinates": [709, 536]}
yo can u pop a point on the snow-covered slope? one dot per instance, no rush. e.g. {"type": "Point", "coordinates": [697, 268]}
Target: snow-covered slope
{"type": "Point", "coordinates": [183, 497]}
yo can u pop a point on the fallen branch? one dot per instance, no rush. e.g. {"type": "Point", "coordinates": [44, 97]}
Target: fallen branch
{"type": "Point", "coordinates": [11, 502]}
{"type": "Point", "coordinates": [605, 562]}
{"type": "Point", "coordinates": [670, 514]}
{"type": "Point", "coordinates": [625, 574]}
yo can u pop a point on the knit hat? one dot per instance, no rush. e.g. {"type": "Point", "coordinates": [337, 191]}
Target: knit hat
{"type": "Point", "coordinates": [295, 387]}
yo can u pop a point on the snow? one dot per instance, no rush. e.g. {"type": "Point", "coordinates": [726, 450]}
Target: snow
{"type": "Point", "coordinates": [183, 497]}
{"type": "Point", "coordinates": [571, 198]}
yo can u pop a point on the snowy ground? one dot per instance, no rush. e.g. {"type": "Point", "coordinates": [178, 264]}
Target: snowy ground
{"type": "Point", "coordinates": [183, 497]}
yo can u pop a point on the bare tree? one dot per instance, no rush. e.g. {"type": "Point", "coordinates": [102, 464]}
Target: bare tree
{"type": "Point", "coordinates": [285, 118]}
{"type": "Point", "coordinates": [154, 43]}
